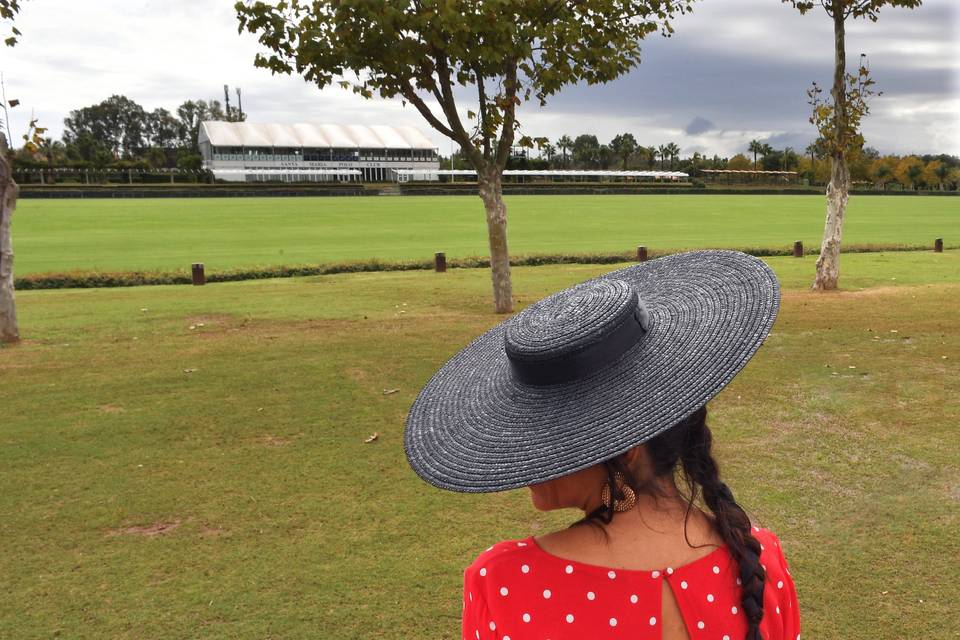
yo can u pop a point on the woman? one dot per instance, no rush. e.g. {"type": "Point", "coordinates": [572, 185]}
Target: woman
{"type": "Point", "coordinates": [595, 398]}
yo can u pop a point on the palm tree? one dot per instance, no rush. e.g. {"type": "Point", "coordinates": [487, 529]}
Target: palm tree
{"type": "Point", "coordinates": [564, 144]}
{"type": "Point", "coordinates": [673, 152]}
{"type": "Point", "coordinates": [664, 152]}
{"type": "Point", "coordinates": [755, 147]}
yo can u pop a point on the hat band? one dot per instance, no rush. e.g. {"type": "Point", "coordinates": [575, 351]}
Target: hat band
{"type": "Point", "coordinates": [584, 362]}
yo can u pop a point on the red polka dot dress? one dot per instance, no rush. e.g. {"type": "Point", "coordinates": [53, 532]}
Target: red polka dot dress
{"type": "Point", "coordinates": [517, 591]}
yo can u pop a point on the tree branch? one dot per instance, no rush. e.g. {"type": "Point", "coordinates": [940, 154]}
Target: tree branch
{"type": "Point", "coordinates": [509, 115]}
{"type": "Point", "coordinates": [411, 95]}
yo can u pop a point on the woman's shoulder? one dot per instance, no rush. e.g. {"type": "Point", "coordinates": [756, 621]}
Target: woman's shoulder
{"type": "Point", "coordinates": [772, 557]}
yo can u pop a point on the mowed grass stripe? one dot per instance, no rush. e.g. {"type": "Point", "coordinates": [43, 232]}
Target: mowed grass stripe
{"type": "Point", "coordinates": [226, 233]}
{"type": "Point", "coordinates": [282, 523]}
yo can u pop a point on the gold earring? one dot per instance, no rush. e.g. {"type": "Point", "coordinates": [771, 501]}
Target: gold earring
{"type": "Point", "coordinates": [628, 499]}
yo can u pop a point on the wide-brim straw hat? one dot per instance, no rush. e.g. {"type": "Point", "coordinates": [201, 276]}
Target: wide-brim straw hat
{"type": "Point", "coordinates": [590, 372]}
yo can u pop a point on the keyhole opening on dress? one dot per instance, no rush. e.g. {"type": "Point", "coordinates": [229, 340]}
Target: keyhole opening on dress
{"type": "Point", "coordinates": [673, 627]}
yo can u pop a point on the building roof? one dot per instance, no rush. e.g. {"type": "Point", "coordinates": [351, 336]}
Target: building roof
{"type": "Point", "coordinates": [249, 134]}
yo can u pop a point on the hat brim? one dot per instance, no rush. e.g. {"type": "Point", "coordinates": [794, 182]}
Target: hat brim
{"type": "Point", "coordinates": [474, 428]}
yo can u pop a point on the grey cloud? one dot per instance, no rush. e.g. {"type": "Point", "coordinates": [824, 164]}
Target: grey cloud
{"type": "Point", "coordinates": [699, 125]}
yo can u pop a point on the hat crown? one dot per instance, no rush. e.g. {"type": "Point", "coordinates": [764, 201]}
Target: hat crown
{"type": "Point", "coordinates": [574, 332]}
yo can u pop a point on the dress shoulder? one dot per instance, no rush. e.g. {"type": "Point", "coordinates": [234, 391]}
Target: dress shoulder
{"type": "Point", "coordinates": [781, 604]}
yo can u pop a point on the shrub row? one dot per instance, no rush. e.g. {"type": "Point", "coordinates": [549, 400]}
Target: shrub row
{"type": "Point", "coordinates": [94, 279]}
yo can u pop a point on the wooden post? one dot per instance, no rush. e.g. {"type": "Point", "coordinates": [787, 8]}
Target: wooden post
{"type": "Point", "coordinates": [938, 245]}
{"type": "Point", "coordinates": [641, 254]}
{"type": "Point", "coordinates": [797, 249]}
{"type": "Point", "coordinates": [199, 278]}
{"type": "Point", "coordinates": [440, 262]}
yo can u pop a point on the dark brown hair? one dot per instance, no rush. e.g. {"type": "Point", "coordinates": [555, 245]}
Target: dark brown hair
{"type": "Point", "coordinates": [686, 447]}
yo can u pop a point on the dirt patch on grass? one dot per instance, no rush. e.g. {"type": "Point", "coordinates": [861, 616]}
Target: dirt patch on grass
{"type": "Point", "coordinates": [147, 531]}
{"type": "Point", "coordinates": [275, 441]}
{"type": "Point", "coordinates": [110, 408]}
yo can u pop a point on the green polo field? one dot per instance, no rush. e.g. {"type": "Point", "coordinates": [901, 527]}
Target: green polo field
{"type": "Point", "coordinates": [191, 462]}
{"type": "Point", "coordinates": [227, 233]}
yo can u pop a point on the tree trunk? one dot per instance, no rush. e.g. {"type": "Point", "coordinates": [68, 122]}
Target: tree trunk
{"type": "Point", "coordinates": [491, 192]}
{"type": "Point", "coordinates": [8, 200]}
{"type": "Point", "coordinates": [838, 190]}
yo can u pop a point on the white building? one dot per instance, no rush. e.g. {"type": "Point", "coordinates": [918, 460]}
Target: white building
{"type": "Point", "coordinates": [247, 152]}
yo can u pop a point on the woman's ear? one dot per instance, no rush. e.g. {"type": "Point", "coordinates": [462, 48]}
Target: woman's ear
{"type": "Point", "coordinates": [630, 457]}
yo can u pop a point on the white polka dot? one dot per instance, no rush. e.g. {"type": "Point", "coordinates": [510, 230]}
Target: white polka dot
{"type": "Point", "coordinates": [738, 582]}
{"type": "Point", "coordinates": [778, 609]}
{"type": "Point", "coordinates": [709, 597]}
{"type": "Point", "coordinates": [611, 574]}
{"type": "Point", "coordinates": [503, 591]}
{"type": "Point", "coordinates": [655, 574]}
{"type": "Point", "coordinates": [490, 547]}
{"type": "Point", "coordinates": [756, 528]}
{"type": "Point", "coordinates": [471, 596]}
{"type": "Point", "coordinates": [506, 637]}
{"type": "Point", "coordinates": [547, 594]}
{"type": "Point", "coordinates": [478, 634]}
{"type": "Point", "coordinates": [716, 569]}
{"type": "Point", "coordinates": [726, 637]}
{"type": "Point", "coordinates": [591, 595]}
{"type": "Point", "coordinates": [669, 571]}
{"type": "Point", "coordinates": [493, 625]}
{"type": "Point", "coordinates": [764, 567]}
{"type": "Point", "coordinates": [569, 618]}
{"type": "Point", "coordinates": [653, 621]}
{"type": "Point", "coordinates": [733, 610]}
{"type": "Point", "coordinates": [634, 599]}
{"type": "Point", "coordinates": [569, 568]}
{"type": "Point", "coordinates": [780, 584]}
{"type": "Point", "coordinates": [613, 622]}
{"type": "Point", "coordinates": [700, 625]}
{"type": "Point", "coordinates": [526, 617]}
{"type": "Point", "coordinates": [683, 584]}
{"type": "Point", "coordinates": [483, 571]}
{"type": "Point", "coordinates": [761, 548]}
{"type": "Point", "coordinates": [521, 544]}
{"type": "Point", "coordinates": [525, 568]}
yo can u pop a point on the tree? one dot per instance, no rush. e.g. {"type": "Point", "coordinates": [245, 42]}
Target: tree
{"type": "Point", "coordinates": [624, 145]}
{"type": "Point", "coordinates": [881, 172]}
{"type": "Point", "coordinates": [9, 329]}
{"type": "Point", "coordinates": [673, 152]}
{"type": "Point", "coordinates": [935, 173]}
{"type": "Point", "coordinates": [755, 147]}
{"type": "Point", "coordinates": [118, 121]}
{"type": "Point", "coordinates": [503, 53]}
{"type": "Point", "coordinates": [838, 122]}
{"type": "Point", "coordinates": [739, 162]}
{"type": "Point", "coordinates": [564, 143]}
{"type": "Point", "coordinates": [586, 151]}
{"type": "Point", "coordinates": [190, 114]}
{"type": "Point", "coordinates": [909, 171]}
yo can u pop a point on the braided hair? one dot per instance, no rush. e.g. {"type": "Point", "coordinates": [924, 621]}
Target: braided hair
{"type": "Point", "coordinates": [687, 447]}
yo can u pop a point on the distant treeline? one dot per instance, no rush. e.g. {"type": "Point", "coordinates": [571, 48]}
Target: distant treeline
{"type": "Point", "coordinates": [624, 153]}
{"type": "Point", "coordinates": [120, 135]}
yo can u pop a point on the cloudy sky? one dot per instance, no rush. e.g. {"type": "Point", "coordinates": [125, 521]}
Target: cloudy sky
{"type": "Point", "coordinates": [735, 70]}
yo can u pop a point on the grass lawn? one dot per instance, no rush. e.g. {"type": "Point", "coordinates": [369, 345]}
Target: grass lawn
{"type": "Point", "coordinates": [223, 233]}
{"type": "Point", "coordinates": [190, 461]}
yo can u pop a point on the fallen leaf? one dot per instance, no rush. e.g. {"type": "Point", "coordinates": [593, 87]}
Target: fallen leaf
{"type": "Point", "coordinates": [387, 392]}
{"type": "Point", "coordinates": [189, 370]}
{"type": "Point", "coordinates": [372, 437]}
